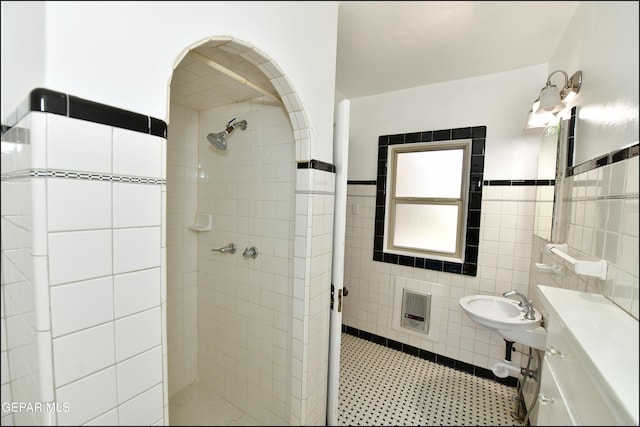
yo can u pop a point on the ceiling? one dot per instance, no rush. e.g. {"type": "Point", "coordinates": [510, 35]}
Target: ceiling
{"type": "Point", "coordinates": [385, 46]}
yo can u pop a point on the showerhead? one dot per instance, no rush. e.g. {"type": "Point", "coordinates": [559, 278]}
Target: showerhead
{"type": "Point", "coordinates": [219, 140]}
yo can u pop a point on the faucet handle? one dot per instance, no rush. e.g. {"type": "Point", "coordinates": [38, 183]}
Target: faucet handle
{"type": "Point", "coordinates": [530, 312]}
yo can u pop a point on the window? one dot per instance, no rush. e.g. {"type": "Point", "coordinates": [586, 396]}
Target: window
{"type": "Point", "coordinates": [428, 199]}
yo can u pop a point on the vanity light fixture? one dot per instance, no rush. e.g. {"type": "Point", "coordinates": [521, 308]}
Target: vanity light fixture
{"type": "Point", "coordinates": [553, 100]}
{"type": "Point", "coordinates": [539, 120]}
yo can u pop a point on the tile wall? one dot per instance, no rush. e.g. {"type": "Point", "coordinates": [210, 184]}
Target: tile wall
{"type": "Point", "coordinates": [182, 245]}
{"type": "Point", "coordinates": [504, 260]}
{"type": "Point", "coordinates": [244, 305]}
{"type": "Point", "coordinates": [83, 295]}
{"type": "Point", "coordinates": [262, 324]}
{"type": "Point", "coordinates": [315, 196]}
{"type": "Point", "coordinates": [598, 220]}
{"type": "Point", "coordinates": [84, 218]}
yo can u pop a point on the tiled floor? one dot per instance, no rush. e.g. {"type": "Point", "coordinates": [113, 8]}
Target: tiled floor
{"type": "Point", "coordinates": [382, 386]}
{"type": "Point", "coordinates": [378, 386]}
{"type": "Point", "coordinates": [198, 405]}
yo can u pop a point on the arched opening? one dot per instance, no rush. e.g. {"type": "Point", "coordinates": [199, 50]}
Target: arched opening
{"type": "Point", "coordinates": [229, 314]}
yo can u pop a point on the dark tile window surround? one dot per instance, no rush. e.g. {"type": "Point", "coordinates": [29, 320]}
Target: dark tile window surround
{"type": "Point", "coordinates": [469, 267]}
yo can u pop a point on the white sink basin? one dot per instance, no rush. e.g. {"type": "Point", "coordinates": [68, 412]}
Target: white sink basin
{"type": "Point", "coordinates": [506, 317]}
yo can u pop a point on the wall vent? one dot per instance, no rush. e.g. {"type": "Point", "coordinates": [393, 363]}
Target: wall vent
{"type": "Point", "coordinates": [416, 311]}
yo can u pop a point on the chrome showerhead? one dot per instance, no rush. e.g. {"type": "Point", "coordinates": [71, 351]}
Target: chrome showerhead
{"type": "Point", "coordinates": [219, 140]}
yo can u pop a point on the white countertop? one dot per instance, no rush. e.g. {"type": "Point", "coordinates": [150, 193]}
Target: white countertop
{"type": "Point", "coordinates": [609, 337]}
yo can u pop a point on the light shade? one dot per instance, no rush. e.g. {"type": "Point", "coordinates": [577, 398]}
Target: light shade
{"type": "Point", "coordinates": [550, 100]}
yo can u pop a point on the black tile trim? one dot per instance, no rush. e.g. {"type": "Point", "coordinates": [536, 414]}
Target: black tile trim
{"type": "Point", "coordinates": [477, 134]}
{"type": "Point", "coordinates": [50, 101]}
{"type": "Point", "coordinates": [494, 182]}
{"type": "Point", "coordinates": [354, 182]}
{"type": "Point", "coordinates": [518, 182]}
{"type": "Point", "coordinates": [430, 356]}
{"type": "Point", "coordinates": [317, 164]}
{"type": "Point", "coordinates": [604, 160]}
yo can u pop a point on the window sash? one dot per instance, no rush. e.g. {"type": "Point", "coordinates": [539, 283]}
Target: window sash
{"type": "Point", "coordinates": [409, 208]}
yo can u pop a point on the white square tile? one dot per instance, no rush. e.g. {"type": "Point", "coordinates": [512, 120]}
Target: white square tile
{"type": "Point", "coordinates": [88, 398]}
{"type": "Point", "coordinates": [137, 333]}
{"type": "Point", "coordinates": [4, 369]}
{"type": "Point", "coordinates": [78, 205]}
{"type": "Point", "coordinates": [139, 373]}
{"type": "Point", "coordinates": [618, 178]}
{"type": "Point", "coordinates": [136, 205]}
{"type": "Point", "coordinates": [136, 249]}
{"type": "Point", "coordinates": [138, 291]}
{"type": "Point", "coordinates": [144, 409]}
{"type": "Point", "coordinates": [81, 305]}
{"type": "Point", "coordinates": [136, 154]}
{"type": "Point", "coordinates": [80, 255]}
{"type": "Point", "coordinates": [632, 182]}
{"type": "Point", "coordinates": [83, 353]}
{"type": "Point", "coordinates": [630, 221]}
{"type": "Point", "coordinates": [78, 145]}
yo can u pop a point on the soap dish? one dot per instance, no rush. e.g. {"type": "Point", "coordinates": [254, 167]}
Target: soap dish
{"type": "Point", "coordinates": [202, 222]}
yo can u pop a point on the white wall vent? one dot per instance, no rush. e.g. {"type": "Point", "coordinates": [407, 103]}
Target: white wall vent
{"type": "Point", "coordinates": [416, 311]}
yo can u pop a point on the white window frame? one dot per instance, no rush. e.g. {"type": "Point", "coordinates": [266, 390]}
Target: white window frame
{"type": "Point", "coordinates": [462, 202]}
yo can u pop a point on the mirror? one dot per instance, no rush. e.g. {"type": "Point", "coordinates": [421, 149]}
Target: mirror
{"type": "Point", "coordinates": [556, 143]}
{"type": "Point", "coordinates": [547, 162]}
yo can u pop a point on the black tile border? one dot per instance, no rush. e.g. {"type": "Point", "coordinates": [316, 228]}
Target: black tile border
{"type": "Point", "coordinates": [519, 182]}
{"type": "Point", "coordinates": [571, 137]}
{"type": "Point", "coordinates": [494, 182]}
{"type": "Point", "coordinates": [355, 182]}
{"type": "Point", "coordinates": [604, 160]}
{"type": "Point", "coordinates": [317, 164]}
{"type": "Point", "coordinates": [430, 356]}
{"type": "Point", "coordinates": [50, 101]}
{"type": "Point", "coordinates": [469, 266]}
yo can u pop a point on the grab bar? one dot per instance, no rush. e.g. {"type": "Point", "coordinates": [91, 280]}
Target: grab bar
{"type": "Point", "coordinates": [230, 248]}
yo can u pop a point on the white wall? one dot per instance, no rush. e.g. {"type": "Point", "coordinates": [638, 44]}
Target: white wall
{"type": "Point", "coordinates": [23, 51]}
{"type": "Point", "coordinates": [123, 53]}
{"type": "Point", "coordinates": [602, 41]}
{"type": "Point", "coordinates": [499, 101]}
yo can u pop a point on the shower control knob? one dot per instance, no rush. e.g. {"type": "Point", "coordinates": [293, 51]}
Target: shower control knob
{"type": "Point", "coordinates": [251, 252]}
{"type": "Point", "coordinates": [345, 291]}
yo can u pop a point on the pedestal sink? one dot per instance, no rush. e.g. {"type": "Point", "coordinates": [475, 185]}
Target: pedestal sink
{"type": "Point", "coordinates": [506, 317]}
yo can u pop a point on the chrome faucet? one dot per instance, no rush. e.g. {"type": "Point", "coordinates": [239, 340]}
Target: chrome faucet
{"type": "Point", "coordinates": [525, 303]}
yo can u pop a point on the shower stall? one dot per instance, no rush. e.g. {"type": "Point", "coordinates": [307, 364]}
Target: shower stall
{"type": "Point", "coordinates": [230, 278]}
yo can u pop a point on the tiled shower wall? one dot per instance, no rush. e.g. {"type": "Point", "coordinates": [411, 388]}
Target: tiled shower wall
{"type": "Point", "coordinates": [82, 272]}
{"type": "Point", "coordinates": [262, 333]}
{"type": "Point", "coordinates": [504, 259]}
{"type": "Point", "coordinates": [245, 304]}
{"type": "Point", "coordinates": [598, 219]}
{"type": "Point", "coordinates": [182, 245]}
